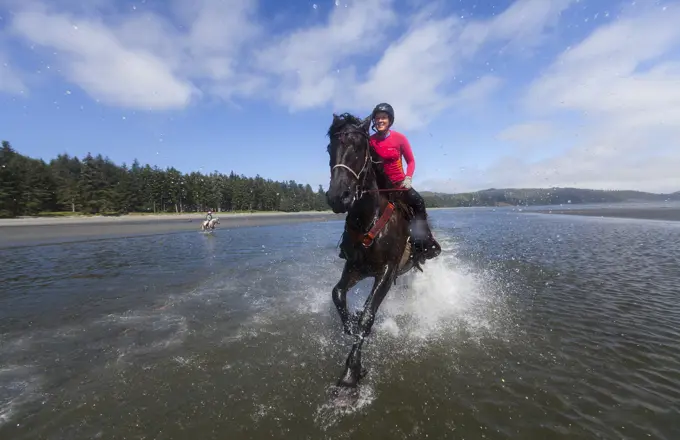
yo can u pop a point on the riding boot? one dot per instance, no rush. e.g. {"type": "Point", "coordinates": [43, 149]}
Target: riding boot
{"type": "Point", "coordinates": [432, 247]}
{"type": "Point", "coordinates": [423, 239]}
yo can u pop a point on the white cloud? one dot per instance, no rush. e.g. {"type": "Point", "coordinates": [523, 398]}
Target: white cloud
{"type": "Point", "coordinates": [600, 75]}
{"type": "Point", "coordinates": [527, 134]}
{"type": "Point", "coordinates": [306, 62]}
{"type": "Point", "coordinates": [10, 77]}
{"type": "Point", "coordinates": [522, 26]}
{"type": "Point", "coordinates": [621, 83]}
{"type": "Point", "coordinates": [624, 84]}
{"type": "Point", "coordinates": [140, 59]}
{"type": "Point", "coordinates": [93, 57]}
{"type": "Point", "coordinates": [477, 91]}
{"type": "Point", "coordinates": [417, 70]}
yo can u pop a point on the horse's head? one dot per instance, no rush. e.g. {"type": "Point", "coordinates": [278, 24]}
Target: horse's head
{"type": "Point", "coordinates": [350, 160]}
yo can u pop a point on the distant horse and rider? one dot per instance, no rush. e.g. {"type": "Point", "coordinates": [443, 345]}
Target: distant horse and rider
{"type": "Point", "coordinates": [209, 222]}
{"type": "Point", "coordinates": [386, 230]}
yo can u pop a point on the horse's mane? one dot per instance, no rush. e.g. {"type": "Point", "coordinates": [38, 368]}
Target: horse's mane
{"type": "Point", "coordinates": [342, 121]}
{"type": "Point", "coordinates": [347, 119]}
{"type": "Point", "coordinates": [379, 171]}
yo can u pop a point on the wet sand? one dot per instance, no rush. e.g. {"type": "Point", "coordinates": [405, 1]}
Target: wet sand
{"type": "Point", "coordinates": [667, 214]}
{"type": "Point", "coordinates": [51, 230]}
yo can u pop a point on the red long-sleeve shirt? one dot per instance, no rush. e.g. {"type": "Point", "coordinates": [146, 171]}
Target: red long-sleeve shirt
{"type": "Point", "coordinates": [390, 149]}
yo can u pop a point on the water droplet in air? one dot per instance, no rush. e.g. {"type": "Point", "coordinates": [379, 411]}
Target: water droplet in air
{"type": "Point", "coordinates": [314, 6]}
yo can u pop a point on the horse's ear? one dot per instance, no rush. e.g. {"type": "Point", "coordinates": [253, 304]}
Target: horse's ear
{"type": "Point", "coordinates": [335, 117]}
{"type": "Point", "coordinates": [366, 123]}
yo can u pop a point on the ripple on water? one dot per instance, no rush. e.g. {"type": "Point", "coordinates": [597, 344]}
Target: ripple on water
{"type": "Point", "coordinates": [19, 385]}
{"type": "Point", "coordinates": [524, 328]}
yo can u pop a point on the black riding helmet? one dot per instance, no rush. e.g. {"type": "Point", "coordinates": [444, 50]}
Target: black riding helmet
{"type": "Point", "coordinates": [384, 107]}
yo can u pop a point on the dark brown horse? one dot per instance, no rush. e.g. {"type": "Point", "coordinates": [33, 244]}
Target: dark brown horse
{"type": "Point", "coordinates": [376, 240]}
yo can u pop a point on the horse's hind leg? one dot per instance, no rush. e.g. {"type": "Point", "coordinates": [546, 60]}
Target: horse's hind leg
{"type": "Point", "coordinates": [348, 280]}
{"type": "Point", "coordinates": [353, 371]}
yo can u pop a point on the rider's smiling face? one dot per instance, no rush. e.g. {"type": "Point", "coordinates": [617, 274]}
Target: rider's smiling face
{"type": "Point", "coordinates": [382, 121]}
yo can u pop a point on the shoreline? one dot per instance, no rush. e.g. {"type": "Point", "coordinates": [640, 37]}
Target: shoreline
{"type": "Point", "coordinates": [660, 213]}
{"type": "Point", "coordinates": [141, 218]}
{"type": "Point", "coordinates": [34, 231]}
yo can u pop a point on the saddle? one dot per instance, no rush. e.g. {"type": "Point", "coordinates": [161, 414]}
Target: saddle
{"type": "Point", "coordinates": [400, 207]}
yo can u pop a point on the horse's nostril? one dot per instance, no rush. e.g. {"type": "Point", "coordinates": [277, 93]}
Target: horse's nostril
{"type": "Point", "coordinates": [346, 195]}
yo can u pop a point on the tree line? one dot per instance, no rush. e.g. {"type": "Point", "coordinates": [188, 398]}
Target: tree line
{"type": "Point", "coordinates": [542, 196]}
{"type": "Point", "coordinates": [96, 185]}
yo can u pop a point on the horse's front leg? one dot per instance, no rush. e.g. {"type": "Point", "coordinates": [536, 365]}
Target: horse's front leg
{"type": "Point", "coordinates": [353, 371]}
{"type": "Point", "coordinates": [349, 279]}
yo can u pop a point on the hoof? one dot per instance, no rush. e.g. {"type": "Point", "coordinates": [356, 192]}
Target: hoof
{"type": "Point", "coordinates": [347, 382]}
{"type": "Point", "coordinates": [345, 396]}
{"type": "Point", "coordinates": [351, 379]}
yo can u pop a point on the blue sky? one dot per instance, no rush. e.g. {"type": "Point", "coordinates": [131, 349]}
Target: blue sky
{"type": "Point", "coordinates": [515, 94]}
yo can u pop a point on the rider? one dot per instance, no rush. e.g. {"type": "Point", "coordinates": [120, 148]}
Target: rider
{"type": "Point", "coordinates": [390, 145]}
{"type": "Point", "coordinates": [208, 216]}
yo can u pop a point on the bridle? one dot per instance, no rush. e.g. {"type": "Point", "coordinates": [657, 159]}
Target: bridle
{"type": "Point", "coordinates": [367, 159]}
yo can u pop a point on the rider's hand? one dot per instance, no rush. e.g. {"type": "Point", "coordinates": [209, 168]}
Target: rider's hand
{"type": "Point", "coordinates": [406, 183]}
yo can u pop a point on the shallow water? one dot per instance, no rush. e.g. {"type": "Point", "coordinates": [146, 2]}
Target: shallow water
{"type": "Point", "coordinates": [528, 326]}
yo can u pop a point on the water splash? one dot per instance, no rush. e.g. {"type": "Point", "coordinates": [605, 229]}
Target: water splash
{"type": "Point", "coordinates": [330, 413]}
{"type": "Point", "coordinates": [19, 385]}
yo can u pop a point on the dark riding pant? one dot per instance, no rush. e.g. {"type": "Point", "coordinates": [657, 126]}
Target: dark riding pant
{"type": "Point", "coordinates": [420, 228]}
{"type": "Point", "coordinates": [419, 225]}
{"type": "Point", "coordinates": [416, 201]}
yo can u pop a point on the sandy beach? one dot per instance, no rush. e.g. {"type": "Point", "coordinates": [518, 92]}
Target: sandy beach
{"type": "Point", "coordinates": [660, 213]}
{"type": "Point", "coordinates": [30, 231]}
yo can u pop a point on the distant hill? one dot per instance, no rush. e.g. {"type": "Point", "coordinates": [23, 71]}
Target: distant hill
{"type": "Point", "coordinates": [541, 196]}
